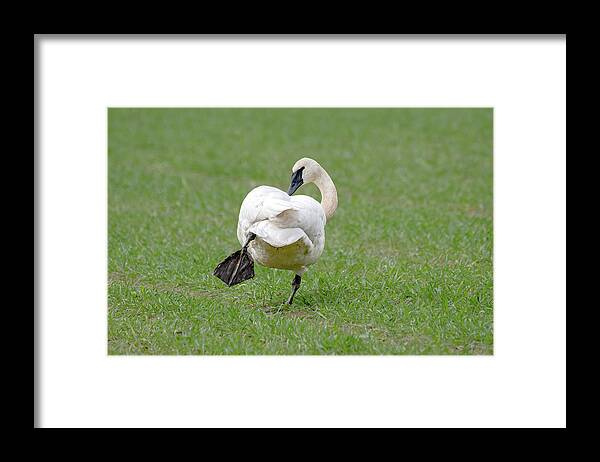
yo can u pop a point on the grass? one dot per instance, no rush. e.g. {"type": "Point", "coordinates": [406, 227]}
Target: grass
{"type": "Point", "coordinates": [407, 266]}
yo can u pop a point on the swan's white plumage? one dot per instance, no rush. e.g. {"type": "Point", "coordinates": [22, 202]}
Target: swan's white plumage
{"type": "Point", "coordinates": [290, 230]}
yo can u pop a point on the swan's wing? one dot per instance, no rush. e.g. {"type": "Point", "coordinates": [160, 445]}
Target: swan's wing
{"type": "Point", "coordinates": [264, 203]}
{"type": "Point", "coordinates": [279, 219]}
{"type": "Point", "coordinates": [273, 206]}
{"type": "Point", "coordinates": [276, 236]}
{"type": "Point", "coordinates": [274, 222]}
{"type": "Point", "coordinates": [310, 217]}
{"type": "Point", "coordinates": [305, 220]}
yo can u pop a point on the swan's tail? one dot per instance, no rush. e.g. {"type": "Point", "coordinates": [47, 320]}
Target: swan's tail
{"type": "Point", "coordinates": [237, 267]}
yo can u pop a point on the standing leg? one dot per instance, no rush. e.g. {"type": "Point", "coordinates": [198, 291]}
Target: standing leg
{"type": "Point", "coordinates": [295, 285]}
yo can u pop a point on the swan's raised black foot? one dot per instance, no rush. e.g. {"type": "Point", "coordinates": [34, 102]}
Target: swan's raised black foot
{"type": "Point", "coordinates": [295, 285]}
{"type": "Point", "coordinates": [237, 267]}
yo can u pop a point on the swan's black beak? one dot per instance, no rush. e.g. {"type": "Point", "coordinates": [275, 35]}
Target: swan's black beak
{"type": "Point", "coordinates": [296, 182]}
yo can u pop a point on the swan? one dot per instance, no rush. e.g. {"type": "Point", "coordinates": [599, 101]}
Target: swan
{"type": "Point", "coordinates": [279, 230]}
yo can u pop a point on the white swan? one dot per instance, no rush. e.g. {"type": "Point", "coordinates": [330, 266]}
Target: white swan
{"type": "Point", "coordinates": [282, 231]}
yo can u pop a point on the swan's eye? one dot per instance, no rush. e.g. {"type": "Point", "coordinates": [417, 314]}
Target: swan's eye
{"type": "Point", "coordinates": [296, 181]}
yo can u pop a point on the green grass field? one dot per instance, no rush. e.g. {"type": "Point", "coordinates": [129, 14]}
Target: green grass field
{"type": "Point", "coordinates": [407, 266]}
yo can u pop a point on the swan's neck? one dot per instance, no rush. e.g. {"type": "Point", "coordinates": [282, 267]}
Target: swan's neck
{"type": "Point", "coordinates": [329, 199]}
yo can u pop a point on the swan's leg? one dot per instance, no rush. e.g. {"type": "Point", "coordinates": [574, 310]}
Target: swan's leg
{"type": "Point", "coordinates": [243, 251]}
{"type": "Point", "coordinates": [251, 237]}
{"type": "Point", "coordinates": [237, 267]}
{"type": "Point", "coordinates": [295, 286]}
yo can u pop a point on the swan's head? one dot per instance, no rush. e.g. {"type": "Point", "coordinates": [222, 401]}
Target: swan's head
{"type": "Point", "coordinates": [304, 171]}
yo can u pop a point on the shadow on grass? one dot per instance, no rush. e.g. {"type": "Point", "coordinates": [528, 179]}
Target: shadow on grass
{"type": "Point", "coordinates": [299, 309]}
